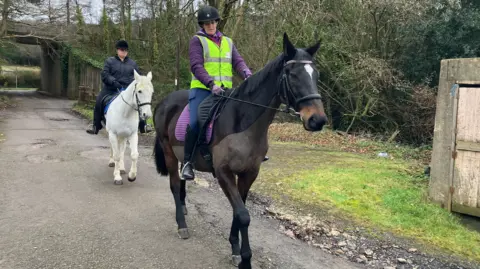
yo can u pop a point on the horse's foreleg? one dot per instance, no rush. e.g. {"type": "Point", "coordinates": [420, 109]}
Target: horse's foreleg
{"type": "Point", "coordinates": [133, 141]}
{"type": "Point", "coordinates": [245, 181]}
{"type": "Point", "coordinates": [183, 195]}
{"type": "Point", "coordinates": [241, 219]}
{"type": "Point", "coordinates": [123, 145]}
{"type": "Point", "coordinates": [117, 179]}
{"type": "Point", "coordinates": [177, 187]}
{"type": "Point", "coordinates": [111, 162]}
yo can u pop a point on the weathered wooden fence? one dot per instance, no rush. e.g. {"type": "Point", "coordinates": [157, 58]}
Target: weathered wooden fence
{"type": "Point", "coordinates": [455, 165]}
{"type": "Point", "coordinates": [84, 81]}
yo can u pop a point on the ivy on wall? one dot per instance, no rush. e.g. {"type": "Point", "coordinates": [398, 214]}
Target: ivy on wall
{"type": "Point", "coordinates": [76, 60]}
{"type": "Point", "coordinates": [79, 56]}
{"type": "Point", "coordinates": [64, 60]}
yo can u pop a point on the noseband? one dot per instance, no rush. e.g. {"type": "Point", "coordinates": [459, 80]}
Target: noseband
{"type": "Point", "coordinates": [287, 91]}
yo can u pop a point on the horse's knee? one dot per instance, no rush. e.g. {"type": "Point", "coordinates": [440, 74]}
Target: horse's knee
{"type": "Point", "coordinates": [243, 218]}
{"type": "Point", "coordinates": [134, 155]}
{"type": "Point", "coordinates": [234, 239]}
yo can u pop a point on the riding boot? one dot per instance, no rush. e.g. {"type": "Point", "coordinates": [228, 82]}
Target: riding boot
{"type": "Point", "coordinates": [93, 129]}
{"type": "Point", "coordinates": [144, 127]}
{"type": "Point", "coordinates": [189, 154]}
{"type": "Point", "coordinates": [97, 117]}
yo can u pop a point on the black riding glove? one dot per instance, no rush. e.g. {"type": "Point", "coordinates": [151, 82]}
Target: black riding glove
{"type": "Point", "coordinates": [117, 85]}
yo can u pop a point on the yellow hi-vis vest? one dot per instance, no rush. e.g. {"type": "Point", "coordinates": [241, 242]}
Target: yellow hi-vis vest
{"type": "Point", "coordinates": [217, 62]}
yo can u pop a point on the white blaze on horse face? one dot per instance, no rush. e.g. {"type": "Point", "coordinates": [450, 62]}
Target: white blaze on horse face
{"type": "Point", "coordinates": [309, 70]}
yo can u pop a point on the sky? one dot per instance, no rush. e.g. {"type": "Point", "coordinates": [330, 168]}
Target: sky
{"type": "Point", "coordinates": [97, 5]}
{"type": "Point", "coordinates": [91, 15]}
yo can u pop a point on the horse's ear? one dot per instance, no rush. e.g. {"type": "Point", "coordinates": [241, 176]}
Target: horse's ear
{"type": "Point", "coordinates": [313, 49]}
{"type": "Point", "coordinates": [136, 75]}
{"type": "Point", "coordinates": [149, 75]}
{"type": "Point", "coordinates": [288, 48]}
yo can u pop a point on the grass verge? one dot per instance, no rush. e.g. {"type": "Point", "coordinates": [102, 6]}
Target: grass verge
{"type": "Point", "coordinates": [86, 110]}
{"type": "Point", "coordinates": [344, 175]}
{"type": "Point", "coordinates": [5, 102]}
{"type": "Point", "coordinates": [20, 68]}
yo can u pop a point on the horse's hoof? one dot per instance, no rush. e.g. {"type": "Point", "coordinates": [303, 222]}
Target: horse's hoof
{"type": "Point", "coordinates": [184, 209]}
{"type": "Point", "coordinates": [122, 172]}
{"type": "Point", "coordinates": [132, 179]}
{"type": "Point", "coordinates": [111, 165]}
{"type": "Point", "coordinates": [236, 260]}
{"type": "Point", "coordinates": [183, 233]}
{"type": "Point", "coordinates": [118, 182]}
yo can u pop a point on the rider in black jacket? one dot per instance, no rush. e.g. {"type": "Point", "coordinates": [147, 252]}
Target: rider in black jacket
{"type": "Point", "coordinates": [117, 74]}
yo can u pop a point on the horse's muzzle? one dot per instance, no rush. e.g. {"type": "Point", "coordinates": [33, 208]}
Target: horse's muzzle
{"type": "Point", "coordinates": [315, 122]}
{"type": "Point", "coordinates": [313, 117]}
{"type": "Point", "coordinates": [145, 114]}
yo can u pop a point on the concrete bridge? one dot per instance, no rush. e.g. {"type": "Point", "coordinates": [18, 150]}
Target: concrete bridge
{"type": "Point", "coordinates": [50, 38]}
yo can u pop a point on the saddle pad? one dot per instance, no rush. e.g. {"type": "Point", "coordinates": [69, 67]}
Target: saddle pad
{"type": "Point", "coordinates": [184, 120]}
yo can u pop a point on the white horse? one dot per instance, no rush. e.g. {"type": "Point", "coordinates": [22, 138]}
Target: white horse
{"type": "Point", "coordinates": [122, 121]}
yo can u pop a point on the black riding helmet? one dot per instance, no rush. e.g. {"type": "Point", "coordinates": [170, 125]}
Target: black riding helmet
{"type": "Point", "coordinates": [121, 44]}
{"type": "Point", "coordinates": [207, 13]}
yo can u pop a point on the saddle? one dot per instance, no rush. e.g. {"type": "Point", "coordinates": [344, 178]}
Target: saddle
{"type": "Point", "coordinates": [105, 103]}
{"type": "Point", "coordinates": [208, 112]}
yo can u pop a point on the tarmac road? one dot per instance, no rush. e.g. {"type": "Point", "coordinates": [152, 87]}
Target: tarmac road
{"type": "Point", "coordinates": [59, 207]}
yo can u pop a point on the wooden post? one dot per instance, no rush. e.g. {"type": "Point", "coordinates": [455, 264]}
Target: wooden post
{"type": "Point", "coordinates": [455, 93]}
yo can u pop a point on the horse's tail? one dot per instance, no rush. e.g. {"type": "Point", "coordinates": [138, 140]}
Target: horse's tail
{"type": "Point", "coordinates": [160, 157]}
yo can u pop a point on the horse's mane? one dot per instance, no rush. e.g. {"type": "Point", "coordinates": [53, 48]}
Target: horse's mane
{"type": "Point", "coordinates": [251, 85]}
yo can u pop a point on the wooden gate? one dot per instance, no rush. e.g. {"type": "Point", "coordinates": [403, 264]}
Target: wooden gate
{"type": "Point", "coordinates": [464, 192]}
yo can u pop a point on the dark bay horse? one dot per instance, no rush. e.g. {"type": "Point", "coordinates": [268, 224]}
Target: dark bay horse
{"type": "Point", "coordinates": [239, 140]}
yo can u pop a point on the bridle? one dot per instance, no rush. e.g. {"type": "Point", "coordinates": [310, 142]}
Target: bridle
{"type": "Point", "coordinates": [136, 100]}
{"type": "Point", "coordinates": [286, 93]}
{"type": "Point", "coordinates": [287, 89]}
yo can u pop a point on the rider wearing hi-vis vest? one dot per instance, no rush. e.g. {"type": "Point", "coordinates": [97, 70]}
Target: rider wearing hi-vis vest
{"type": "Point", "coordinates": [217, 62]}
{"type": "Point", "coordinates": [213, 56]}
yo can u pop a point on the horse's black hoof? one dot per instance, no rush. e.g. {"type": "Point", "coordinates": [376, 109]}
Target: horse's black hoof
{"type": "Point", "coordinates": [184, 209]}
{"type": "Point", "coordinates": [132, 179]}
{"type": "Point", "coordinates": [236, 260]}
{"type": "Point", "coordinates": [183, 233]}
{"type": "Point", "coordinates": [118, 182]}
{"type": "Point", "coordinates": [111, 165]}
{"type": "Point", "coordinates": [122, 172]}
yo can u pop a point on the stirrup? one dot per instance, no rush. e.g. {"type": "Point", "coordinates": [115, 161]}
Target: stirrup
{"type": "Point", "coordinates": [183, 169]}
{"type": "Point", "coordinates": [148, 128]}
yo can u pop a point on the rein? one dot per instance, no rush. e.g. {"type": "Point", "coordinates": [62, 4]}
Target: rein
{"type": "Point", "coordinates": [286, 93]}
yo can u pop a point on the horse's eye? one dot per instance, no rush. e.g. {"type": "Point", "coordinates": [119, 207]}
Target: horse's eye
{"type": "Point", "coordinates": [140, 91]}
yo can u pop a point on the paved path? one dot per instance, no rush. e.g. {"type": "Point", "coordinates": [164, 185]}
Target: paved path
{"type": "Point", "coordinates": [60, 209]}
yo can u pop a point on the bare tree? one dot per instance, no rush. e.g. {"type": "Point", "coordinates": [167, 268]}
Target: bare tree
{"type": "Point", "coordinates": [5, 14]}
